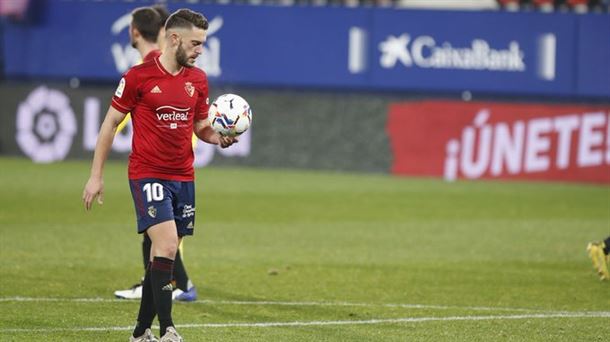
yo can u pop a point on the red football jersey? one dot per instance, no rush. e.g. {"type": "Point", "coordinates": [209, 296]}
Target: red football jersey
{"type": "Point", "coordinates": [152, 55]}
{"type": "Point", "coordinates": [163, 108]}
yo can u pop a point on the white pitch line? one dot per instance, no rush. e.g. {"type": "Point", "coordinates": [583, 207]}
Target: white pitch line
{"type": "Point", "coordinates": [387, 305]}
{"type": "Point", "coordinates": [323, 323]}
{"type": "Point", "coordinates": [278, 303]}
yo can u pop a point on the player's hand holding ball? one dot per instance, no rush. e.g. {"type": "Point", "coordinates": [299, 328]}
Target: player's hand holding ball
{"type": "Point", "coordinates": [230, 116]}
{"type": "Point", "coordinates": [225, 141]}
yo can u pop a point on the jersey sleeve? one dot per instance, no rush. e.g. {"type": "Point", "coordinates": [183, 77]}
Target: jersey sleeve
{"type": "Point", "coordinates": [203, 103]}
{"type": "Point", "coordinates": [125, 96]}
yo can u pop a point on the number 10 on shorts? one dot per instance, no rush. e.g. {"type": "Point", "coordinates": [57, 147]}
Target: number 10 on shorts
{"type": "Point", "coordinates": [154, 192]}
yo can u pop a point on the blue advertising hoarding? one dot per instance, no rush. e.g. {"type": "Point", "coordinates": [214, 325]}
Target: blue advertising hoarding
{"type": "Point", "coordinates": [593, 75]}
{"type": "Point", "coordinates": [558, 54]}
{"type": "Point", "coordinates": [474, 50]}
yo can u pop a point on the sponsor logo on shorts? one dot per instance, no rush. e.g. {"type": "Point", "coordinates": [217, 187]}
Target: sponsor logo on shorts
{"type": "Point", "coordinates": [190, 225]}
{"type": "Point", "coordinates": [188, 211]}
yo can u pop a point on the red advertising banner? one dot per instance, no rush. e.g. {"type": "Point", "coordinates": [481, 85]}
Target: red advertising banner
{"type": "Point", "coordinates": [472, 140]}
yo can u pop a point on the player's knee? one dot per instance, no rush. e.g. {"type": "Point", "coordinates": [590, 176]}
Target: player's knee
{"type": "Point", "coordinates": [168, 248]}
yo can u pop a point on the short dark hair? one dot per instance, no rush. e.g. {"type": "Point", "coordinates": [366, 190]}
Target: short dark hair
{"type": "Point", "coordinates": [148, 22]}
{"type": "Point", "coordinates": [185, 18]}
{"type": "Point", "coordinates": [163, 12]}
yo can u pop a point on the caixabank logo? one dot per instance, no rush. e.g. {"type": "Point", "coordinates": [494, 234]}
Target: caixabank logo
{"type": "Point", "coordinates": [425, 51]}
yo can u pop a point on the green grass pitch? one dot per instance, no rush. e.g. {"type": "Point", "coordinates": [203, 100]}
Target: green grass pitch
{"type": "Point", "coordinates": [353, 257]}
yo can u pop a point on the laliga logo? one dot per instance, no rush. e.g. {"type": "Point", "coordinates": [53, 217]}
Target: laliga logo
{"type": "Point", "coordinates": [126, 56]}
{"type": "Point", "coordinates": [45, 125]}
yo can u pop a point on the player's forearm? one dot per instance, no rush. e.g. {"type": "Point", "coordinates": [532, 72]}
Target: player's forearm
{"type": "Point", "coordinates": [102, 147]}
{"type": "Point", "coordinates": [207, 134]}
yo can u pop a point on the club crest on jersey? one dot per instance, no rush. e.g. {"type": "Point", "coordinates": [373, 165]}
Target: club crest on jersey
{"type": "Point", "coordinates": [188, 86]}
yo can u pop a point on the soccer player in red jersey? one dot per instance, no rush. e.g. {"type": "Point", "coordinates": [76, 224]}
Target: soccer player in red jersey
{"type": "Point", "coordinates": [147, 35]}
{"type": "Point", "coordinates": [168, 101]}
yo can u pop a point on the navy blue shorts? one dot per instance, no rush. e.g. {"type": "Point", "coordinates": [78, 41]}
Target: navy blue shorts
{"type": "Point", "coordinates": [158, 200]}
